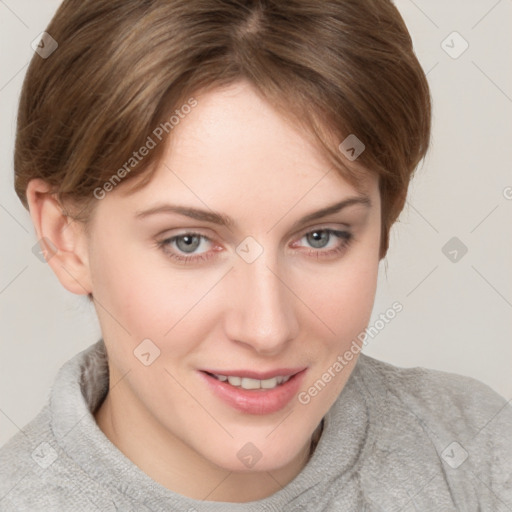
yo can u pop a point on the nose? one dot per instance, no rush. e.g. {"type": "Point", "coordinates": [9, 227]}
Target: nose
{"type": "Point", "coordinates": [263, 315]}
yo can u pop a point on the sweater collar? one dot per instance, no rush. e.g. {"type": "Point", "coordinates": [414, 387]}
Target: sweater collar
{"type": "Point", "coordinates": [82, 384]}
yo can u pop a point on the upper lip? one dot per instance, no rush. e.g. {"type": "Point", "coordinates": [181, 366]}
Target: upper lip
{"type": "Point", "coordinates": [251, 374]}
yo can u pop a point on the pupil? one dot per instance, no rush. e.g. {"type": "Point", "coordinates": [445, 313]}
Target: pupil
{"type": "Point", "coordinates": [191, 243]}
{"type": "Point", "coordinates": [318, 239]}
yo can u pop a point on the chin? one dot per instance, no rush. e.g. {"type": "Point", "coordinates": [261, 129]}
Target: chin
{"type": "Point", "coordinates": [258, 455]}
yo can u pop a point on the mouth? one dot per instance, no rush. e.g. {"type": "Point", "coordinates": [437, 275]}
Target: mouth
{"type": "Point", "coordinates": [253, 392]}
{"type": "Point", "coordinates": [250, 383]}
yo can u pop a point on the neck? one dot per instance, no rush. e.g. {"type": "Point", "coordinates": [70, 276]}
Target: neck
{"type": "Point", "coordinates": [176, 466]}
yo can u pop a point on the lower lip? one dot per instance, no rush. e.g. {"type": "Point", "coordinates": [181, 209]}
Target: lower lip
{"type": "Point", "coordinates": [256, 401]}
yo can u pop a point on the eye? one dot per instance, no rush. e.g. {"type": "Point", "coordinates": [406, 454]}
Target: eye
{"type": "Point", "coordinates": [184, 247]}
{"type": "Point", "coordinates": [178, 247]}
{"type": "Point", "coordinates": [319, 239]}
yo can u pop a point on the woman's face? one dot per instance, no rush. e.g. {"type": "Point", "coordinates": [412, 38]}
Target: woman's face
{"type": "Point", "coordinates": [217, 266]}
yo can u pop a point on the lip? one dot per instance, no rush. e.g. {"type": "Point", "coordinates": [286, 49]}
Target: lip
{"type": "Point", "coordinates": [283, 372]}
{"type": "Point", "coordinates": [256, 401]}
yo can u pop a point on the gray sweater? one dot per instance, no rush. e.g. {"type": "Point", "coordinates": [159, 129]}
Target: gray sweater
{"type": "Point", "coordinates": [395, 440]}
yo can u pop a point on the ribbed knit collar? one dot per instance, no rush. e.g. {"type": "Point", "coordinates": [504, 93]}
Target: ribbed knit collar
{"type": "Point", "coordinates": [82, 384]}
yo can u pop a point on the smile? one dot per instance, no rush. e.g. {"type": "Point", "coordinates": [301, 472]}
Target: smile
{"type": "Point", "coordinates": [248, 383]}
{"type": "Point", "coordinates": [254, 393]}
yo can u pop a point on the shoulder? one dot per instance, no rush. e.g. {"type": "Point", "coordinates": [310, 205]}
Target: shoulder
{"type": "Point", "coordinates": [36, 474]}
{"type": "Point", "coordinates": [444, 396]}
{"type": "Point", "coordinates": [452, 425]}
{"type": "Point", "coordinates": [24, 460]}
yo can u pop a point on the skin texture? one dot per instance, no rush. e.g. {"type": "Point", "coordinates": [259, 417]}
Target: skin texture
{"type": "Point", "coordinates": [294, 306]}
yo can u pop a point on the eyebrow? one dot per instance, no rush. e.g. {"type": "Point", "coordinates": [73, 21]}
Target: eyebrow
{"type": "Point", "coordinates": [224, 220]}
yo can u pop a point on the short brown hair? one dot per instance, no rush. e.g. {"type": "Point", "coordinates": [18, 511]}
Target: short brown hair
{"type": "Point", "coordinates": [336, 67]}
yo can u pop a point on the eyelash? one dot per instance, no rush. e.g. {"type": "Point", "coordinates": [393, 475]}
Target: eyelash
{"type": "Point", "coordinates": [345, 237]}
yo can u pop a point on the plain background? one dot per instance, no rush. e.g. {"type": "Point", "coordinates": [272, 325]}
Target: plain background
{"type": "Point", "coordinates": [456, 314]}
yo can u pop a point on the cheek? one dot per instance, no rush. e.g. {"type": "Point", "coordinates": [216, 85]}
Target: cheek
{"type": "Point", "coordinates": [343, 298]}
{"type": "Point", "coordinates": [131, 293]}
{"type": "Point", "coordinates": [343, 302]}
{"type": "Point", "coordinates": [139, 296]}
{"type": "Point", "coordinates": [344, 309]}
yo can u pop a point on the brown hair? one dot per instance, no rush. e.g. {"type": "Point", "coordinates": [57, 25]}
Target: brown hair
{"type": "Point", "coordinates": [335, 67]}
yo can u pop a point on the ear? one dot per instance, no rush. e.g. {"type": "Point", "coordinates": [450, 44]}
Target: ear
{"type": "Point", "coordinates": [62, 240]}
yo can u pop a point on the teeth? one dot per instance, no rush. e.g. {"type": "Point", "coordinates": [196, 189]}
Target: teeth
{"type": "Point", "coordinates": [269, 383]}
{"type": "Point", "coordinates": [247, 383]}
{"type": "Point", "coordinates": [251, 383]}
{"type": "Point", "coordinates": [235, 381]}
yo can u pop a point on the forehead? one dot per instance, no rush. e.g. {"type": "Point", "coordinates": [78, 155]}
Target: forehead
{"type": "Point", "coordinates": [233, 151]}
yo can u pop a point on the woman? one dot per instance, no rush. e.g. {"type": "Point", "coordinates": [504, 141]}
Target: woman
{"type": "Point", "coordinates": [220, 178]}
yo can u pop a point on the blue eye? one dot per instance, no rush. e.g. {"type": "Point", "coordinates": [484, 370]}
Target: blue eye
{"type": "Point", "coordinates": [190, 242]}
{"type": "Point", "coordinates": [182, 248]}
{"type": "Point", "coordinates": [320, 238]}
{"type": "Point", "coordinates": [187, 243]}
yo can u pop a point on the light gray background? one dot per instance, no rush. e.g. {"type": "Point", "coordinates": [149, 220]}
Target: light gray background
{"type": "Point", "coordinates": [456, 316]}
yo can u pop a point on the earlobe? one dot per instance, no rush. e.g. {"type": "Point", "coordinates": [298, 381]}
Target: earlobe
{"type": "Point", "coordinates": [62, 240]}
